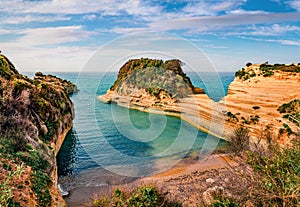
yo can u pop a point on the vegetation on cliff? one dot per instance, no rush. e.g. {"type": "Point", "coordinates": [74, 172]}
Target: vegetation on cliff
{"type": "Point", "coordinates": [271, 171]}
{"type": "Point", "coordinates": [155, 75]}
{"type": "Point", "coordinates": [291, 111]}
{"type": "Point", "coordinates": [34, 113]}
{"type": "Point", "coordinates": [265, 70]}
{"type": "Point", "coordinates": [277, 172]}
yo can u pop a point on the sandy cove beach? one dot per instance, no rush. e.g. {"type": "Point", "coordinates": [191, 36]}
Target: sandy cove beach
{"type": "Point", "coordinates": [190, 182]}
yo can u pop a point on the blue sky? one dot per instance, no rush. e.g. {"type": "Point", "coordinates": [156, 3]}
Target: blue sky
{"type": "Point", "coordinates": [62, 35]}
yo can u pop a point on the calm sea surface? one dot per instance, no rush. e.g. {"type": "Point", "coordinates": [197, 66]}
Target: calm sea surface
{"type": "Point", "coordinates": [107, 140]}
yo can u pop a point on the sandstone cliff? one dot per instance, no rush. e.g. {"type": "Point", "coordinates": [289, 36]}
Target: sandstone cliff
{"type": "Point", "coordinates": [256, 95]}
{"type": "Point", "coordinates": [253, 99]}
{"type": "Point", "coordinates": [35, 116]}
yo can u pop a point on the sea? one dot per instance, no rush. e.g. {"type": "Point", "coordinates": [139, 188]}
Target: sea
{"type": "Point", "coordinates": [109, 144]}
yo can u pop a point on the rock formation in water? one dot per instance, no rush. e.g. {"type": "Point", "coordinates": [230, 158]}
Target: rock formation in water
{"type": "Point", "coordinates": [35, 116]}
{"type": "Point", "coordinates": [254, 97]}
{"type": "Point", "coordinates": [150, 82]}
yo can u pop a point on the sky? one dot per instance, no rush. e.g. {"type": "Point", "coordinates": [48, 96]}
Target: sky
{"type": "Point", "coordinates": [63, 35]}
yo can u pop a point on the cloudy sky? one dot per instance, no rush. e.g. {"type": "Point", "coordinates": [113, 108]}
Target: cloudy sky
{"type": "Point", "coordinates": [62, 35]}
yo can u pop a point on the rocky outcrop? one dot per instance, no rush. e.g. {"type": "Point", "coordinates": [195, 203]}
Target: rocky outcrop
{"type": "Point", "coordinates": [253, 97]}
{"type": "Point", "coordinates": [65, 85]}
{"type": "Point", "coordinates": [160, 81]}
{"type": "Point", "coordinates": [35, 116]}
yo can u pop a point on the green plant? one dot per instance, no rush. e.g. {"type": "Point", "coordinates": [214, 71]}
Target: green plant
{"type": "Point", "coordinates": [102, 202]}
{"type": "Point", "coordinates": [254, 119]}
{"type": "Point", "coordinates": [33, 158]}
{"type": "Point", "coordinates": [232, 117]}
{"type": "Point", "coordinates": [40, 180]}
{"type": "Point", "coordinates": [6, 190]}
{"type": "Point", "coordinates": [242, 74]}
{"type": "Point", "coordinates": [118, 198]}
{"type": "Point", "coordinates": [248, 64]}
{"type": "Point", "coordinates": [245, 121]}
{"type": "Point", "coordinates": [224, 202]}
{"type": "Point", "coordinates": [52, 127]}
{"type": "Point", "coordinates": [290, 107]}
{"type": "Point", "coordinates": [144, 196]}
{"type": "Point", "coordinates": [239, 141]}
{"type": "Point", "coordinates": [278, 176]}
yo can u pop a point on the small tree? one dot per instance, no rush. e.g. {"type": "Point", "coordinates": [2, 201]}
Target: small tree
{"type": "Point", "coordinates": [239, 141]}
{"type": "Point", "coordinates": [248, 64]}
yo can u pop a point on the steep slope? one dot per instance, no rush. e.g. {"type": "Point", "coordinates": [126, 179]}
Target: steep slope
{"type": "Point", "coordinates": [35, 116]}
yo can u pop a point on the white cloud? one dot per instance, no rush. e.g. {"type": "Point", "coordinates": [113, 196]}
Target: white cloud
{"type": "Point", "coordinates": [33, 18]}
{"type": "Point", "coordinates": [274, 30]}
{"type": "Point", "coordinates": [102, 7]}
{"type": "Point", "coordinates": [211, 7]}
{"type": "Point", "coordinates": [53, 35]}
{"type": "Point", "coordinates": [241, 11]}
{"type": "Point", "coordinates": [130, 30]}
{"type": "Point", "coordinates": [295, 4]}
{"type": "Point", "coordinates": [5, 32]}
{"type": "Point", "coordinates": [142, 9]}
{"type": "Point", "coordinates": [89, 17]}
{"type": "Point", "coordinates": [211, 23]}
{"type": "Point", "coordinates": [28, 49]}
{"type": "Point", "coordinates": [287, 42]}
{"type": "Point", "coordinates": [61, 59]}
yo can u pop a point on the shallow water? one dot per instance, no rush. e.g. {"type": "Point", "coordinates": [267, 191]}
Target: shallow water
{"type": "Point", "coordinates": [111, 145]}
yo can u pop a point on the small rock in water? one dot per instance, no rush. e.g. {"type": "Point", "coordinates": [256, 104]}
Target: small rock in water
{"type": "Point", "coordinates": [62, 192]}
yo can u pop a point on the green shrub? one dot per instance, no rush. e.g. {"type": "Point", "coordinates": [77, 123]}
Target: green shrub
{"type": "Point", "coordinates": [239, 141]}
{"type": "Point", "coordinates": [224, 202]}
{"type": "Point", "coordinates": [243, 75]}
{"type": "Point", "coordinates": [144, 196]}
{"type": "Point", "coordinates": [291, 107]}
{"type": "Point", "coordinates": [52, 127]}
{"type": "Point", "coordinates": [40, 181]}
{"type": "Point", "coordinates": [102, 202]}
{"type": "Point", "coordinates": [6, 197]}
{"type": "Point", "coordinates": [278, 176]}
{"type": "Point", "coordinates": [248, 64]}
{"type": "Point", "coordinates": [33, 159]}
{"type": "Point", "coordinates": [232, 117]}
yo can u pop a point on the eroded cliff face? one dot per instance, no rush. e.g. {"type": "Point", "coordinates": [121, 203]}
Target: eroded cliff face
{"type": "Point", "coordinates": [35, 116]}
{"type": "Point", "coordinates": [253, 98]}
{"type": "Point", "coordinates": [256, 95]}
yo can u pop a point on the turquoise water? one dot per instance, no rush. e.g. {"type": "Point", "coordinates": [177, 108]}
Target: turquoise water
{"type": "Point", "coordinates": [108, 140]}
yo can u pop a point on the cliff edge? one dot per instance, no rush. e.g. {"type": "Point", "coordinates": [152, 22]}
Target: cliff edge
{"type": "Point", "coordinates": [35, 116]}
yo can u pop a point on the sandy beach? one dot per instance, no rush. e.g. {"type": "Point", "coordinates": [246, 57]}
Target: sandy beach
{"type": "Point", "coordinates": [186, 182]}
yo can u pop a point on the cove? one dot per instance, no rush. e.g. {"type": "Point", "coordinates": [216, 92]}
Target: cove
{"type": "Point", "coordinates": [132, 140]}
